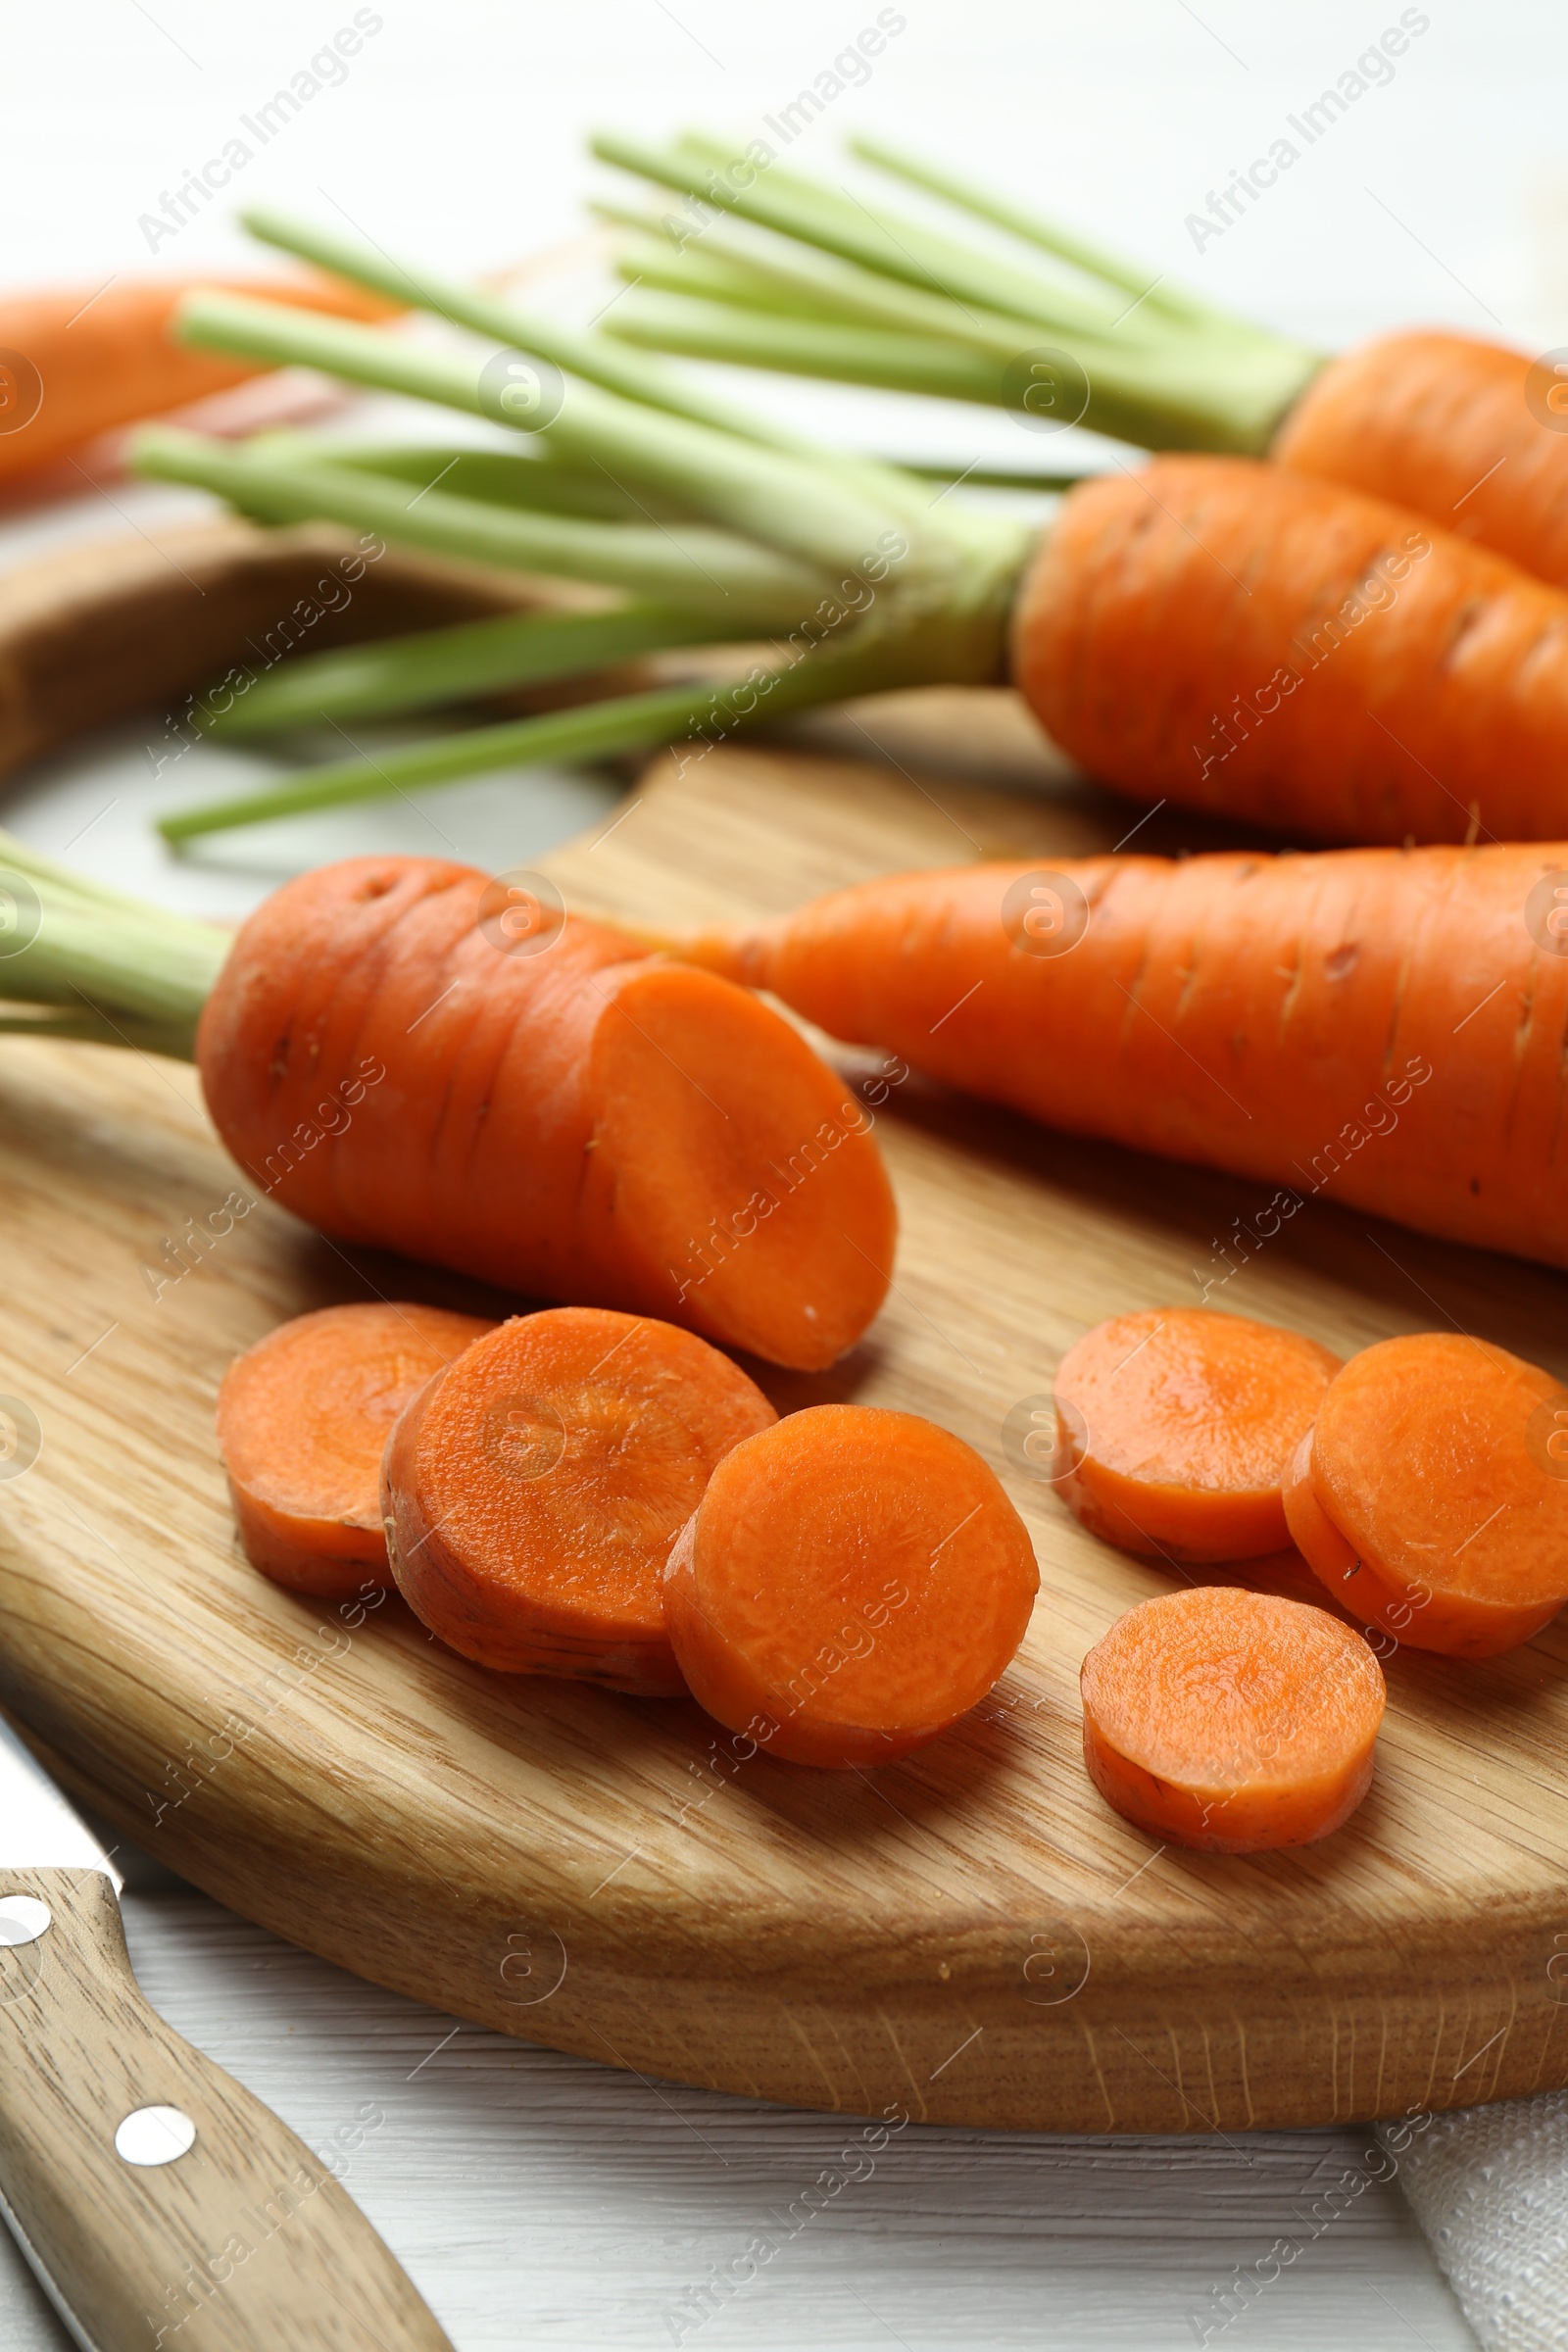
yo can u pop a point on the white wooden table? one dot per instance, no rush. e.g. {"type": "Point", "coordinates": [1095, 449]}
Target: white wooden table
{"type": "Point", "coordinates": [542, 2199]}
{"type": "Point", "coordinates": [537, 2199]}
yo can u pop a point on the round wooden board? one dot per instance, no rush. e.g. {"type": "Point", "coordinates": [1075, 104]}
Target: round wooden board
{"type": "Point", "coordinates": [969, 1937]}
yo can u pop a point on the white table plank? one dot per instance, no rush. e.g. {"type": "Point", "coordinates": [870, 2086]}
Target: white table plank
{"type": "Point", "coordinates": [539, 2199]}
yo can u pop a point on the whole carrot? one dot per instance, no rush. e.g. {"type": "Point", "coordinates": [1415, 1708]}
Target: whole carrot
{"type": "Point", "coordinates": [75, 363]}
{"type": "Point", "coordinates": [409, 1054]}
{"type": "Point", "coordinates": [1229, 635]}
{"type": "Point", "coordinates": [1259, 645]}
{"type": "Point", "coordinates": [1470, 433]}
{"type": "Point", "coordinates": [1381, 1027]}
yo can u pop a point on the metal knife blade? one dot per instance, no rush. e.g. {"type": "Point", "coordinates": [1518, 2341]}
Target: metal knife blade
{"type": "Point", "coordinates": [40, 1828]}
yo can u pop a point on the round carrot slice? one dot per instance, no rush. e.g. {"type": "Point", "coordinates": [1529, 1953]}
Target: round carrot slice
{"type": "Point", "coordinates": [302, 1424]}
{"type": "Point", "coordinates": [1176, 1425]}
{"type": "Point", "coordinates": [852, 1583]}
{"type": "Point", "coordinates": [1231, 1721]}
{"type": "Point", "coordinates": [533, 1492]}
{"type": "Point", "coordinates": [1432, 1495]}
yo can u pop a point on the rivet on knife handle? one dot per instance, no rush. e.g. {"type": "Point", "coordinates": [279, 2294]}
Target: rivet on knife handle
{"type": "Point", "coordinates": [145, 2185]}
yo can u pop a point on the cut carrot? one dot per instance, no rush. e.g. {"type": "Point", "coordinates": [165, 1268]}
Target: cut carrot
{"type": "Point", "coordinates": [303, 1419]}
{"type": "Point", "coordinates": [1429, 1496]}
{"type": "Point", "coordinates": [1231, 1721]}
{"type": "Point", "coordinates": [851, 1584]}
{"type": "Point", "coordinates": [411, 1054]}
{"type": "Point", "coordinates": [75, 363]}
{"type": "Point", "coordinates": [1178, 1424]}
{"type": "Point", "coordinates": [533, 1492]}
{"type": "Point", "coordinates": [1372, 1027]}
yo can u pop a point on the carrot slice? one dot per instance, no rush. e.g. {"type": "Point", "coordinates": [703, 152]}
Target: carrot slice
{"type": "Point", "coordinates": [533, 1492]}
{"type": "Point", "coordinates": [1431, 1495]}
{"type": "Point", "coordinates": [1178, 1424]}
{"type": "Point", "coordinates": [1231, 1721]}
{"type": "Point", "coordinates": [302, 1424]}
{"type": "Point", "coordinates": [851, 1584]}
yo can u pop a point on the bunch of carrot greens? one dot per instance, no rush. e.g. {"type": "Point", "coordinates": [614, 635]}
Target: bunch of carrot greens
{"type": "Point", "coordinates": [707, 526]}
{"type": "Point", "coordinates": [767, 269]}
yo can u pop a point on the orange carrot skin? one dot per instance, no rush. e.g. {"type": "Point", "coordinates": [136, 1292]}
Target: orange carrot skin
{"type": "Point", "coordinates": [106, 359]}
{"type": "Point", "coordinates": [1443, 424]}
{"type": "Point", "coordinates": [341, 1376]}
{"type": "Point", "coordinates": [1418, 1500]}
{"type": "Point", "coordinates": [1142, 1396]}
{"type": "Point", "coordinates": [1372, 1027]}
{"type": "Point", "coordinates": [1260, 645]}
{"type": "Point", "coordinates": [1275, 1710]}
{"type": "Point", "coordinates": [583, 1122]}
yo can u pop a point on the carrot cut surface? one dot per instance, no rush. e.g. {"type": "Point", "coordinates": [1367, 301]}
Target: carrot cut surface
{"type": "Point", "coordinates": [1432, 1498]}
{"type": "Point", "coordinates": [534, 1491]}
{"type": "Point", "coordinates": [1177, 1425]}
{"type": "Point", "coordinates": [852, 1583]}
{"type": "Point", "coordinates": [303, 1419]}
{"type": "Point", "coordinates": [1231, 1721]}
{"type": "Point", "coordinates": [394, 1054]}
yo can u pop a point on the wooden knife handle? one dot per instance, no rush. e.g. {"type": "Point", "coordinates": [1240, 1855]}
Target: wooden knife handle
{"type": "Point", "coordinates": [243, 2244]}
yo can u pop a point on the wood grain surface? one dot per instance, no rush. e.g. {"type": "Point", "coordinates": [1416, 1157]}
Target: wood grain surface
{"type": "Point", "coordinates": [967, 1936]}
{"type": "Point", "coordinates": [246, 2233]}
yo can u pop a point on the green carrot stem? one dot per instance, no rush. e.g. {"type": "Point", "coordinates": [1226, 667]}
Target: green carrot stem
{"type": "Point", "coordinates": [993, 477]}
{"type": "Point", "coordinates": [696, 566]}
{"type": "Point", "coordinates": [1180, 394]}
{"type": "Point", "coordinates": [803, 284]}
{"type": "Point", "coordinates": [1095, 261]}
{"type": "Point", "coordinates": [98, 964]}
{"type": "Point", "coordinates": [444, 665]}
{"type": "Point", "coordinates": [792, 346]}
{"type": "Point", "coordinates": [790, 504]}
{"type": "Point", "coordinates": [595, 731]}
{"type": "Point", "coordinates": [591, 356]}
{"type": "Point", "coordinates": [499, 476]}
{"type": "Point", "coordinates": [586, 355]}
{"type": "Point", "coordinates": [705, 170]}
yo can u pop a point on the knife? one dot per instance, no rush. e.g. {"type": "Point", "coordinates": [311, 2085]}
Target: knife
{"type": "Point", "coordinates": [161, 2205]}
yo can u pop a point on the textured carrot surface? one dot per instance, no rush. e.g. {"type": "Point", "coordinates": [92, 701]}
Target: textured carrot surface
{"type": "Point", "coordinates": [1178, 1424]}
{"type": "Point", "coordinates": [1447, 425]}
{"type": "Point", "coordinates": [1261, 645]}
{"type": "Point", "coordinates": [1369, 1026]}
{"type": "Point", "coordinates": [534, 1490]}
{"type": "Point", "coordinates": [583, 1121]}
{"type": "Point", "coordinates": [1430, 1494]}
{"type": "Point", "coordinates": [1231, 1721]}
{"type": "Point", "coordinates": [851, 1584]}
{"type": "Point", "coordinates": [303, 1419]}
{"type": "Point", "coordinates": [95, 361]}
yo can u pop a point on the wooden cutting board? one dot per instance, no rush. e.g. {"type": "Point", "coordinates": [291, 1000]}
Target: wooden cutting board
{"type": "Point", "coordinates": [967, 1936]}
